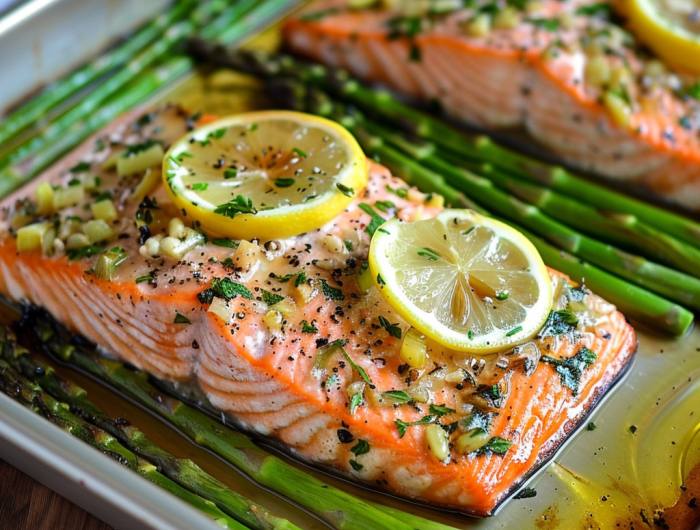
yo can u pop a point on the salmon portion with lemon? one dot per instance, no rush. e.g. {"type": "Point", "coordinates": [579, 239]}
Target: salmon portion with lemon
{"type": "Point", "coordinates": [432, 356]}
{"type": "Point", "coordinates": [575, 80]}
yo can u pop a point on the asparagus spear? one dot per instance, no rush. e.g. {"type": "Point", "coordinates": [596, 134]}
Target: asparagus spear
{"type": "Point", "coordinates": [675, 285]}
{"type": "Point", "coordinates": [478, 148]}
{"type": "Point", "coordinates": [80, 121]}
{"type": "Point", "coordinates": [33, 396]}
{"type": "Point", "coordinates": [620, 229]}
{"type": "Point", "coordinates": [59, 91]}
{"type": "Point", "coordinates": [341, 510]}
{"type": "Point", "coordinates": [182, 471]}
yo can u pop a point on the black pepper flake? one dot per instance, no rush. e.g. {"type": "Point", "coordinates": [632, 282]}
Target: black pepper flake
{"type": "Point", "coordinates": [345, 436]}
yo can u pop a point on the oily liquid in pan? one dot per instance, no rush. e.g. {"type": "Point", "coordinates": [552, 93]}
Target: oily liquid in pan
{"type": "Point", "coordinates": [605, 476]}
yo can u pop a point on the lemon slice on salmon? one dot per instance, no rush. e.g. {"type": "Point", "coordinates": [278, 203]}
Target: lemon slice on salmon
{"type": "Point", "coordinates": [470, 283]}
{"type": "Point", "coordinates": [265, 175]}
{"type": "Point", "coordinates": [669, 27]}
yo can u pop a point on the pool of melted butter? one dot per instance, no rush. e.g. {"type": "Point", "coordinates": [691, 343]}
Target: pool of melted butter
{"type": "Point", "coordinates": [637, 467]}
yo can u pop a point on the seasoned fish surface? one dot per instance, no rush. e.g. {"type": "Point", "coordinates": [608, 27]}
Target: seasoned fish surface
{"type": "Point", "coordinates": [577, 82]}
{"type": "Point", "coordinates": [294, 380]}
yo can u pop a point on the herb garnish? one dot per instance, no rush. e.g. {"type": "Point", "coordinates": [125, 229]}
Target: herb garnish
{"type": "Point", "coordinates": [236, 206]}
{"type": "Point", "coordinates": [441, 410]}
{"type": "Point", "coordinates": [84, 252]}
{"type": "Point", "coordinates": [200, 186]}
{"type": "Point", "coordinates": [360, 448]}
{"type": "Point", "coordinates": [398, 395]}
{"type": "Point", "coordinates": [271, 298]}
{"type": "Point", "coordinates": [224, 288]}
{"type": "Point", "coordinates": [230, 173]}
{"type": "Point", "coordinates": [558, 323]}
{"type": "Point", "coordinates": [384, 206]}
{"type": "Point", "coordinates": [525, 493]}
{"type": "Point", "coordinates": [496, 445]}
{"type": "Point", "coordinates": [392, 329]}
{"type": "Point", "coordinates": [284, 182]}
{"type": "Point", "coordinates": [224, 243]}
{"type": "Point", "coordinates": [181, 319]}
{"type": "Point", "coordinates": [345, 190]}
{"type": "Point", "coordinates": [331, 293]}
{"type": "Point", "coordinates": [145, 278]}
{"type": "Point", "coordinates": [430, 254]}
{"type": "Point", "coordinates": [299, 152]}
{"type": "Point", "coordinates": [135, 149]}
{"type": "Point", "coordinates": [571, 369]}
{"type": "Point", "coordinates": [547, 24]}
{"type": "Point", "coordinates": [402, 193]}
{"type": "Point", "coordinates": [402, 426]}
{"type": "Point", "coordinates": [308, 328]}
{"type": "Point", "coordinates": [81, 167]}
{"type": "Point", "coordinates": [356, 465]}
{"type": "Point", "coordinates": [377, 220]}
{"type": "Point", "coordinates": [355, 401]}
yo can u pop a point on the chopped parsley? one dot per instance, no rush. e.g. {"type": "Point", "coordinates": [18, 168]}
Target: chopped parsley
{"type": "Point", "coordinates": [181, 319]}
{"type": "Point", "coordinates": [694, 91]}
{"type": "Point", "coordinates": [384, 206]}
{"type": "Point", "coordinates": [200, 186]}
{"type": "Point", "coordinates": [356, 465]}
{"type": "Point", "coordinates": [477, 420]}
{"type": "Point", "coordinates": [503, 295]}
{"type": "Point", "coordinates": [315, 16]}
{"type": "Point", "coordinates": [218, 133]}
{"type": "Point", "coordinates": [402, 193]}
{"type": "Point", "coordinates": [284, 182]}
{"type": "Point", "coordinates": [235, 206]}
{"type": "Point", "coordinates": [559, 323]}
{"type": "Point", "coordinates": [547, 24]}
{"type": "Point", "coordinates": [377, 220]}
{"type": "Point", "coordinates": [227, 243]}
{"type": "Point", "coordinates": [398, 395]}
{"type": "Point", "coordinates": [357, 367]}
{"type": "Point", "coordinates": [514, 331]}
{"type": "Point", "coordinates": [570, 369]}
{"type": "Point", "coordinates": [430, 254]}
{"type": "Point", "coordinates": [441, 410]}
{"type": "Point", "coordinates": [355, 401]}
{"type": "Point", "coordinates": [495, 445]}
{"type": "Point", "coordinates": [84, 252]}
{"type": "Point", "coordinates": [345, 190]}
{"type": "Point", "coordinates": [224, 288]}
{"type": "Point", "coordinates": [591, 426]}
{"type": "Point", "coordinates": [380, 280]}
{"type": "Point", "coordinates": [403, 426]}
{"type": "Point", "coordinates": [299, 152]}
{"type": "Point", "coordinates": [81, 167]}
{"type": "Point", "coordinates": [392, 329]}
{"type": "Point", "coordinates": [271, 298]}
{"type": "Point", "coordinates": [134, 149]}
{"type": "Point", "coordinates": [331, 293]}
{"type": "Point", "coordinates": [287, 277]}
{"type": "Point", "coordinates": [145, 278]}
{"type": "Point", "coordinates": [526, 493]}
{"type": "Point", "coordinates": [230, 173]}
{"type": "Point", "coordinates": [600, 9]}
{"type": "Point", "coordinates": [360, 448]}
{"type": "Point", "coordinates": [308, 328]}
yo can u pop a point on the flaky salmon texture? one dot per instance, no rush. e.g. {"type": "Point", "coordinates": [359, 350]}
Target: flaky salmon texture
{"type": "Point", "coordinates": [296, 384]}
{"type": "Point", "coordinates": [578, 83]}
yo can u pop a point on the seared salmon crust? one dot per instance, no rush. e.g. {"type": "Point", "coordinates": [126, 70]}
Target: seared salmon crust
{"type": "Point", "coordinates": [292, 383]}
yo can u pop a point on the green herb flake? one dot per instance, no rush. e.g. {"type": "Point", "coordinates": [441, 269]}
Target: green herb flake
{"type": "Point", "coordinates": [495, 445]}
{"type": "Point", "coordinates": [200, 186]}
{"type": "Point", "coordinates": [348, 245]}
{"type": "Point", "coordinates": [402, 193]}
{"type": "Point", "coordinates": [227, 243]}
{"type": "Point", "coordinates": [380, 280]}
{"type": "Point", "coordinates": [81, 167]}
{"type": "Point", "coordinates": [559, 323]}
{"type": "Point", "coordinates": [376, 221]}
{"type": "Point", "coordinates": [271, 298]}
{"type": "Point", "coordinates": [547, 24]}
{"type": "Point", "coordinates": [84, 252]}
{"type": "Point", "coordinates": [284, 182]}
{"type": "Point", "coordinates": [570, 369]}
{"type": "Point", "coordinates": [525, 493]}
{"type": "Point", "coordinates": [441, 410]}
{"type": "Point", "coordinates": [384, 206]}
{"type": "Point", "coordinates": [299, 152]}
{"type": "Point", "coordinates": [132, 150]}
{"type": "Point", "coordinates": [591, 426]}
{"type": "Point", "coordinates": [218, 133]}
{"type": "Point", "coordinates": [360, 448]}
{"type": "Point", "coordinates": [514, 331]}
{"type": "Point", "coordinates": [239, 205]}
{"type": "Point", "coordinates": [397, 395]}
{"type": "Point", "coordinates": [601, 9]}
{"type": "Point", "coordinates": [430, 254]}
{"type": "Point", "coordinates": [503, 295]}
{"type": "Point", "coordinates": [392, 329]}
{"type": "Point", "coordinates": [308, 328]}
{"type": "Point", "coordinates": [345, 190]}
{"type": "Point", "coordinates": [230, 173]}
{"type": "Point", "coordinates": [356, 465]}
{"type": "Point", "coordinates": [145, 278]}
{"type": "Point", "coordinates": [181, 319]}
{"type": "Point", "coordinates": [355, 401]}
{"type": "Point", "coordinates": [225, 288]}
{"type": "Point", "coordinates": [357, 367]}
{"type": "Point", "coordinates": [403, 426]}
{"type": "Point", "coordinates": [331, 293]}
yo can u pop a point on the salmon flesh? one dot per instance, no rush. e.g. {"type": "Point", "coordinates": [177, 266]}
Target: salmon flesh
{"type": "Point", "coordinates": [577, 82]}
{"type": "Point", "coordinates": [202, 320]}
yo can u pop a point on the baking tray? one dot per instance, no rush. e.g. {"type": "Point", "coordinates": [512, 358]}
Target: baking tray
{"type": "Point", "coordinates": [616, 475]}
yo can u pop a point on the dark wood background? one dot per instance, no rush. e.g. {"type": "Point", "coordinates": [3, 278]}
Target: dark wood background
{"type": "Point", "coordinates": [25, 504]}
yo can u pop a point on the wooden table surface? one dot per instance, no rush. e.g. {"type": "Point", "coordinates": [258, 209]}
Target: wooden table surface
{"type": "Point", "coordinates": [25, 504]}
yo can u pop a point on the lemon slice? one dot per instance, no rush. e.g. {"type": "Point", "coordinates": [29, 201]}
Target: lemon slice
{"type": "Point", "coordinates": [468, 282]}
{"type": "Point", "coordinates": [669, 27]}
{"type": "Point", "coordinates": [266, 175]}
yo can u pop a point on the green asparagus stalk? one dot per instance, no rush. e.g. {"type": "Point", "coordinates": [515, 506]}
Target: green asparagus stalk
{"type": "Point", "coordinates": [11, 178]}
{"type": "Point", "coordinates": [477, 148]}
{"type": "Point", "coordinates": [341, 510]}
{"type": "Point", "coordinates": [59, 91]}
{"type": "Point", "coordinates": [33, 396]}
{"type": "Point", "coordinates": [675, 285]}
{"type": "Point", "coordinates": [109, 100]}
{"type": "Point", "coordinates": [624, 230]}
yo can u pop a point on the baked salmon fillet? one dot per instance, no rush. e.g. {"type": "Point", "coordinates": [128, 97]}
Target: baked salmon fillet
{"type": "Point", "coordinates": [202, 321]}
{"type": "Point", "coordinates": [577, 82]}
